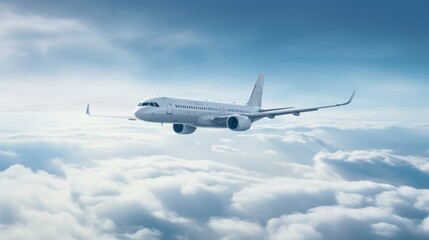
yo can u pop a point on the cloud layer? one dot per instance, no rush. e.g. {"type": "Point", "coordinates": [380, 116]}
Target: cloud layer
{"type": "Point", "coordinates": [329, 192]}
{"type": "Point", "coordinates": [170, 198]}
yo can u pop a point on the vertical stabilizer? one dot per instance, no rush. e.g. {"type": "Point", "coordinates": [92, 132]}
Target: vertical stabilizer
{"type": "Point", "coordinates": [255, 99]}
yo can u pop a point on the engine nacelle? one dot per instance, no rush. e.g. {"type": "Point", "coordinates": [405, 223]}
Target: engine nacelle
{"type": "Point", "coordinates": [238, 123]}
{"type": "Point", "coordinates": [183, 128]}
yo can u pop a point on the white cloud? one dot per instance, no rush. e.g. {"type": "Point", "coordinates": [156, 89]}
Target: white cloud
{"type": "Point", "coordinates": [270, 196]}
{"type": "Point", "coordinates": [233, 228]}
{"type": "Point", "coordinates": [293, 231]}
{"type": "Point", "coordinates": [8, 154]}
{"type": "Point", "coordinates": [425, 225]}
{"type": "Point", "coordinates": [339, 222]}
{"type": "Point", "coordinates": [22, 33]}
{"type": "Point", "coordinates": [113, 184]}
{"type": "Point", "coordinates": [226, 150]}
{"type": "Point", "coordinates": [350, 199]}
{"type": "Point", "coordinates": [270, 152]}
{"type": "Point", "coordinates": [144, 233]}
{"type": "Point", "coordinates": [226, 140]}
{"type": "Point", "coordinates": [385, 229]}
{"type": "Point", "coordinates": [375, 165]}
{"type": "Point", "coordinates": [42, 201]}
{"type": "Point", "coordinates": [165, 197]}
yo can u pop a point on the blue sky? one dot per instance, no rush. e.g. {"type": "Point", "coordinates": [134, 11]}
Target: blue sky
{"type": "Point", "coordinates": [355, 172]}
{"type": "Point", "coordinates": [303, 47]}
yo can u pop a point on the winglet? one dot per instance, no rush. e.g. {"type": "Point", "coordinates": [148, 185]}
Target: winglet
{"type": "Point", "coordinates": [351, 97]}
{"type": "Point", "coordinates": [87, 110]}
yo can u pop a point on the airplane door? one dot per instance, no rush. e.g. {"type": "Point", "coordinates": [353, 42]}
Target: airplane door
{"type": "Point", "coordinates": [169, 106]}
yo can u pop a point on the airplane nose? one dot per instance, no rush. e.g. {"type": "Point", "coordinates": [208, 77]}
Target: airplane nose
{"type": "Point", "coordinates": [138, 112]}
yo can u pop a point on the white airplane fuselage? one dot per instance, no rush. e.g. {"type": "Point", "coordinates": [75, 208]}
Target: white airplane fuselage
{"type": "Point", "coordinates": [193, 112]}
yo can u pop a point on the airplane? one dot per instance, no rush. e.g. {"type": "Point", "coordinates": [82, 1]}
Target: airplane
{"type": "Point", "coordinates": [186, 115]}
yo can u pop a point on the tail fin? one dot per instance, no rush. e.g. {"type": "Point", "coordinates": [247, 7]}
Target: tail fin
{"type": "Point", "coordinates": [255, 99]}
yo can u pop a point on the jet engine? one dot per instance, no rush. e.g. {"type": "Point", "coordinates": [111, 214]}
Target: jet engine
{"type": "Point", "coordinates": [238, 123]}
{"type": "Point", "coordinates": [183, 128]}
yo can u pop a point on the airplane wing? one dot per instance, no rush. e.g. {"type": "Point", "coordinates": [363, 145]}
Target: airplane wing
{"type": "Point", "coordinates": [274, 112]}
{"type": "Point", "coordinates": [274, 109]}
{"type": "Point", "coordinates": [221, 120]}
{"type": "Point", "coordinates": [104, 116]}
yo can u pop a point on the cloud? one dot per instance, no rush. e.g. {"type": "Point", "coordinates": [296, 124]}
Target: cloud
{"type": "Point", "coordinates": [227, 228]}
{"type": "Point", "coordinates": [352, 200]}
{"type": "Point", "coordinates": [226, 150]}
{"type": "Point", "coordinates": [293, 231]}
{"type": "Point", "coordinates": [144, 234]}
{"type": "Point", "coordinates": [46, 198]}
{"type": "Point", "coordinates": [301, 195]}
{"type": "Point", "coordinates": [339, 222]}
{"type": "Point", "coordinates": [112, 183]}
{"type": "Point", "coordinates": [375, 165]}
{"type": "Point", "coordinates": [23, 33]}
{"type": "Point", "coordinates": [8, 154]}
{"type": "Point", "coordinates": [270, 152]}
{"type": "Point", "coordinates": [39, 155]}
{"type": "Point", "coordinates": [35, 43]}
{"type": "Point", "coordinates": [385, 229]}
{"type": "Point", "coordinates": [160, 197]}
{"type": "Point", "coordinates": [229, 141]}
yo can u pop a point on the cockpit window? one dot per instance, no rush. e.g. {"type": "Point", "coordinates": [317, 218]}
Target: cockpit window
{"type": "Point", "coordinates": [152, 104]}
